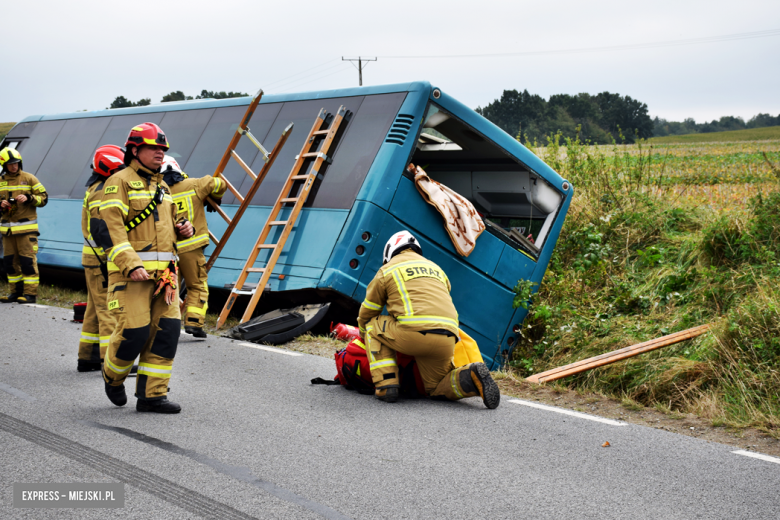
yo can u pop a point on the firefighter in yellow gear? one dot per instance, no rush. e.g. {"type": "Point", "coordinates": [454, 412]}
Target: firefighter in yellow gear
{"type": "Point", "coordinates": [140, 218]}
{"type": "Point", "coordinates": [20, 196]}
{"type": "Point", "coordinates": [422, 322]}
{"type": "Point", "coordinates": [190, 195]}
{"type": "Point", "coordinates": [98, 322]}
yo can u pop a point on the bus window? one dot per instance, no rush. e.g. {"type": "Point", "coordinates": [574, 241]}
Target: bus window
{"type": "Point", "coordinates": [119, 127]}
{"type": "Point", "coordinates": [302, 114]}
{"type": "Point", "coordinates": [517, 204]}
{"type": "Point", "coordinates": [41, 140]}
{"type": "Point", "coordinates": [356, 151]}
{"type": "Point", "coordinates": [215, 139]}
{"type": "Point", "coordinates": [22, 130]}
{"type": "Point", "coordinates": [115, 133]}
{"type": "Point", "coordinates": [183, 128]}
{"type": "Point", "coordinates": [70, 155]}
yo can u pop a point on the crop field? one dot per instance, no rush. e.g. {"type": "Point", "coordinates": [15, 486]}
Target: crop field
{"type": "Point", "coordinates": [661, 238]}
{"type": "Point", "coordinates": [751, 134]}
{"type": "Point", "coordinates": [4, 128]}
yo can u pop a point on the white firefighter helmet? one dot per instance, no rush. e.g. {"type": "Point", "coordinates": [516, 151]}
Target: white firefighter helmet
{"type": "Point", "coordinates": [397, 243]}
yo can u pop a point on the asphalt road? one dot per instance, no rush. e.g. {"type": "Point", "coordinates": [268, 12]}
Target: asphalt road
{"type": "Point", "coordinates": [256, 440]}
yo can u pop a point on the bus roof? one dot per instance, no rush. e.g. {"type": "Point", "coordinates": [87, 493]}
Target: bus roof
{"type": "Point", "coordinates": [216, 103]}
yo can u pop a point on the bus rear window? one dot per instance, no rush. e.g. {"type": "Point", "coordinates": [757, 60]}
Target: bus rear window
{"type": "Point", "coordinates": [517, 204]}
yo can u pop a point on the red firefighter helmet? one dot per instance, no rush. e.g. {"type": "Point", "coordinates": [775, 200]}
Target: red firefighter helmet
{"type": "Point", "coordinates": [108, 159]}
{"type": "Point", "coordinates": [147, 133]}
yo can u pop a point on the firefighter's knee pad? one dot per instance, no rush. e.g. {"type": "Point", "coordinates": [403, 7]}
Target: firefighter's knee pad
{"type": "Point", "coordinates": [27, 265]}
{"type": "Point", "coordinates": [133, 343]}
{"type": "Point", "coordinates": [167, 338]}
{"type": "Point", "coordinates": [8, 262]}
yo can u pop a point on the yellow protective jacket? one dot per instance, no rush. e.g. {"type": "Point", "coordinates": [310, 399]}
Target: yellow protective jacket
{"type": "Point", "coordinates": [92, 253]}
{"type": "Point", "coordinates": [188, 195]}
{"type": "Point", "coordinates": [22, 219]}
{"type": "Point", "coordinates": [152, 244]}
{"type": "Point", "coordinates": [416, 292]}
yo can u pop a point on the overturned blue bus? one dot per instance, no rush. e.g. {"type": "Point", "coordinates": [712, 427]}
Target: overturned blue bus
{"type": "Point", "coordinates": [363, 198]}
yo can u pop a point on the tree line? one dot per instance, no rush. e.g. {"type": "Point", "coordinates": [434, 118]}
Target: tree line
{"type": "Point", "coordinates": [663, 127]}
{"type": "Point", "coordinates": [123, 102]}
{"type": "Point", "coordinates": [600, 119]}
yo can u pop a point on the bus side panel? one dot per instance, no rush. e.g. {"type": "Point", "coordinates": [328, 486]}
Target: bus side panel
{"type": "Point", "coordinates": [382, 178]}
{"type": "Point", "coordinates": [410, 207]}
{"type": "Point", "coordinates": [484, 307]}
{"type": "Point", "coordinates": [65, 251]}
{"type": "Point", "coordinates": [364, 218]}
{"type": "Point", "coordinates": [303, 258]}
{"type": "Point", "coordinates": [514, 266]}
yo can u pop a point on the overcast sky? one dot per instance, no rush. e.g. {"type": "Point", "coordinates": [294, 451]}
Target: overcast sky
{"type": "Point", "coordinates": [81, 54]}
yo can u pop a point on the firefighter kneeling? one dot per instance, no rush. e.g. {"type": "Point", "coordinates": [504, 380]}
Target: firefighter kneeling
{"type": "Point", "coordinates": [140, 217]}
{"type": "Point", "coordinates": [422, 322]}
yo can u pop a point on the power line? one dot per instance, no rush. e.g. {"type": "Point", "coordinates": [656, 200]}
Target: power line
{"type": "Point", "coordinates": [650, 45]}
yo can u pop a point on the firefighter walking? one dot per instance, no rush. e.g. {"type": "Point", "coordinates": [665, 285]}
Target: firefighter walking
{"type": "Point", "coordinates": [422, 322]}
{"type": "Point", "coordinates": [20, 196]}
{"type": "Point", "coordinates": [142, 226]}
{"type": "Point", "coordinates": [98, 322]}
{"type": "Point", "coordinates": [190, 195]}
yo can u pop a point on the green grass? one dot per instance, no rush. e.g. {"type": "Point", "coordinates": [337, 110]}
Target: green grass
{"type": "Point", "coordinates": [657, 241]}
{"type": "Point", "coordinates": [5, 128]}
{"type": "Point", "coordinates": [752, 134]}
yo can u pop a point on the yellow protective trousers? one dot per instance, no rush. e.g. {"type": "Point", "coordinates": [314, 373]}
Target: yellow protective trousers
{"type": "Point", "coordinates": [433, 352]}
{"type": "Point", "coordinates": [98, 322]}
{"type": "Point", "coordinates": [21, 265]}
{"type": "Point", "coordinates": [192, 268]}
{"type": "Point", "coordinates": [146, 327]}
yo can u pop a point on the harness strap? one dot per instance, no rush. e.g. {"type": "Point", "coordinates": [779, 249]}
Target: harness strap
{"type": "Point", "coordinates": [147, 211]}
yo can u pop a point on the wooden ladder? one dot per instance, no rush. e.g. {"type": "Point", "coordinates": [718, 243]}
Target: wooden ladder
{"type": "Point", "coordinates": [309, 153]}
{"type": "Point", "coordinates": [268, 157]}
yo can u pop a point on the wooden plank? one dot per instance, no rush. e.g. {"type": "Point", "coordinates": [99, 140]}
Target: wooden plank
{"type": "Point", "coordinates": [617, 355]}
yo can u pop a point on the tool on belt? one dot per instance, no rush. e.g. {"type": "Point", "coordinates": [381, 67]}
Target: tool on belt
{"type": "Point", "coordinates": [167, 280]}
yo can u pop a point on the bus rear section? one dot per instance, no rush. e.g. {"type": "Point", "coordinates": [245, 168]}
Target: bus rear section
{"type": "Point", "coordinates": [522, 202]}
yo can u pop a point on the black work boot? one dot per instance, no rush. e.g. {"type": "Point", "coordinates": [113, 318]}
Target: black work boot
{"type": "Point", "coordinates": [388, 395]}
{"type": "Point", "coordinates": [26, 298]}
{"type": "Point", "coordinates": [88, 366]}
{"type": "Point", "coordinates": [477, 379]}
{"type": "Point", "coordinates": [157, 406]}
{"type": "Point", "coordinates": [116, 394]}
{"type": "Point", "coordinates": [11, 298]}
{"type": "Point", "coordinates": [14, 296]}
{"type": "Point", "coordinates": [197, 332]}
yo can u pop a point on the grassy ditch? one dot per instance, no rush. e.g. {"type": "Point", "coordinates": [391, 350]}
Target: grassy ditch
{"type": "Point", "coordinates": [652, 246]}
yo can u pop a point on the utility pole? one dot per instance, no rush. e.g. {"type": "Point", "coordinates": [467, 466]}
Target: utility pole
{"type": "Point", "coordinates": [360, 61]}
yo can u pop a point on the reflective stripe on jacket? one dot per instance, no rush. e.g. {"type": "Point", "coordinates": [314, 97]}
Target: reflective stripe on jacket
{"type": "Point", "coordinates": [188, 195]}
{"type": "Point", "coordinates": [22, 218]}
{"type": "Point", "coordinates": [416, 292]}
{"type": "Point", "coordinates": [152, 244]}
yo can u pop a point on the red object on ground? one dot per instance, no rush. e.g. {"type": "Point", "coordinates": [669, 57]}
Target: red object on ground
{"type": "Point", "coordinates": [78, 312]}
{"type": "Point", "coordinates": [344, 332]}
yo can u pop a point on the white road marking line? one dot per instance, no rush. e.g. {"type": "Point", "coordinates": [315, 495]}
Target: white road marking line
{"type": "Point", "coordinates": [271, 349]}
{"type": "Point", "coordinates": [39, 306]}
{"type": "Point", "coordinates": [15, 391]}
{"type": "Point", "coordinates": [568, 412]}
{"type": "Point", "coordinates": [757, 456]}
